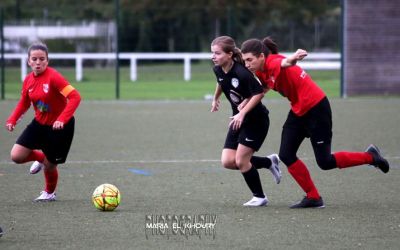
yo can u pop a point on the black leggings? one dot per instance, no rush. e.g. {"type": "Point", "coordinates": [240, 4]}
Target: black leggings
{"type": "Point", "coordinates": [315, 124]}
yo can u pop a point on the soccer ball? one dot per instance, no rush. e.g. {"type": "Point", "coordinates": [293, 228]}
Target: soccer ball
{"type": "Point", "coordinates": [106, 197]}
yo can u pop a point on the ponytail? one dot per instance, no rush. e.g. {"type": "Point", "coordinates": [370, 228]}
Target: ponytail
{"type": "Point", "coordinates": [270, 44]}
{"type": "Point", "coordinates": [237, 56]}
{"type": "Point", "coordinates": [256, 47]}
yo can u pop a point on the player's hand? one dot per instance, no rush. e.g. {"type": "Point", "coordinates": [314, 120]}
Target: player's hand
{"type": "Point", "coordinates": [300, 54]}
{"type": "Point", "coordinates": [236, 121]}
{"type": "Point", "coordinates": [57, 125]}
{"type": "Point", "coordinates": [10, 127]}
{"type": "Point", "coordinates": [215, 105]}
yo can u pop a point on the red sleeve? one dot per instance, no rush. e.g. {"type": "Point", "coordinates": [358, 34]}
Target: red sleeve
{"type": "Point", "coordinates": [58, 80]}
{"type": "Point", "coordinates": [274, 67]}
{"type": "Point", "coordinates": [22, 106]}
{"type": "Point", "coordinates": [74, 98]}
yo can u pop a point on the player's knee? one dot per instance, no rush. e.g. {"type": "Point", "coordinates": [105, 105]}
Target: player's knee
{"type": "Point", "coordinates": [240, 163]}
{"type": "Point", "coordinates": [228, 163]}
{"type": "Point", "coordinates": [48, 165]}
{"type": "Point", "coordinates": [287, 159]}
{"type": "Point", "coordinates": [17, 158]}
{"type": "Point", "coordinates": [326, 163]}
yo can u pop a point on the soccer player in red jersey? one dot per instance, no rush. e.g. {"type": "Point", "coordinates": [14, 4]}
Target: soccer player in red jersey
{"type": "Point", "coordinates": [47, 139]}
{"type": "Point", "coordinates": [310, 116]}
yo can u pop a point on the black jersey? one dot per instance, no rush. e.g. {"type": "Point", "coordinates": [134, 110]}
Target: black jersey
{"type": "Point", "coordinates": [238, 84]}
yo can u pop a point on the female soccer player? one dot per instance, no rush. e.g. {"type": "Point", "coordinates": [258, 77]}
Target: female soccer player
{"type": "Point", "coordinates": [249, 125]}
{"type": "Point", "coordinates": [310, 116]}
{"type": "Point", "coordinates": [47, 139]}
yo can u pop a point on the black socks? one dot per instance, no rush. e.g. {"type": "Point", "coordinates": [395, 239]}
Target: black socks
{"type": "Point", "coordinates": [252, 179]}
{"type": "Point", "coordinates": [260, 162]}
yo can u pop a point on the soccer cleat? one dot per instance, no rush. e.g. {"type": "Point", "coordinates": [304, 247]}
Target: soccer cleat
{"type": "Point", "coordinates": [378, 160]}
{"type": "Point", "coordinates": [36, 167]}
{"type": "Point", "coordinates": [274, 168]}
{"type": "Point", "coordinates": [44, 196]}
{"type": "Point", "coordinates": [256, 202]}
{"type": "Point", "coordinates": [309, 203]}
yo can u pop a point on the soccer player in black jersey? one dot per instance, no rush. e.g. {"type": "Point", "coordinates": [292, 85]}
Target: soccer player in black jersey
{"type": "Point", "coordinates": [249, 123]}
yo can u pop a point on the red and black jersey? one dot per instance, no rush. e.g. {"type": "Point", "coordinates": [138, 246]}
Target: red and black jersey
{"type": "Point", "coordinates": [48, 94]}
{"type": "Point", "coordinates": [291, 82]}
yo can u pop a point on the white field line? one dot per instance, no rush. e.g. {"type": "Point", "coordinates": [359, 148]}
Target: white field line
{"type": "Point", "coordinates": [163, 161]}
{"type": "Point", "coordinates": [133, 161]}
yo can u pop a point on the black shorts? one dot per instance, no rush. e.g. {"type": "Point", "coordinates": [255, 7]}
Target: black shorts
{"type": "Point", "coordinates": [316, 124]}
{"type": "Point", "coordinates": [55, 144]}
{"type": "Point", "coordinates": [251, 134]}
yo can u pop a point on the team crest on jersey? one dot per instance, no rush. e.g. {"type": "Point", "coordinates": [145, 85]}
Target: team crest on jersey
{"type": "Point", "coordinates": [46, 88]}
{"type": "Point", "coordinates": [235, 82]}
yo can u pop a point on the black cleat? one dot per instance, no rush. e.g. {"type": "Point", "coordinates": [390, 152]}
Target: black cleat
{"type": "Point", "coordinates": [309, 203]}
{"type": "Point", "coordinates": [378, 160]}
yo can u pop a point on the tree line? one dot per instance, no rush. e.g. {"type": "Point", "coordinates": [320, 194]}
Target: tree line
{"type": "Point", "coordinates": [189, 26]}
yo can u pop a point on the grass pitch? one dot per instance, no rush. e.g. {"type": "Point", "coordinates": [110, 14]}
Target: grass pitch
{"type": "Point", "coordinates": [162, 81]}
{"type": "Point", "coordinates": [164, 158]}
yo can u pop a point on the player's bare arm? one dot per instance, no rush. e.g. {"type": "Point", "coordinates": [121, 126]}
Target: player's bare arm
{"type": "Point", "coordinates": [216, 102]}
{"type": "Point", "coordinates": [237, 119]}
{"type": "Point", "coordinates": [243, 103]}
{"type": "Point", "coordinates": [292, 59]}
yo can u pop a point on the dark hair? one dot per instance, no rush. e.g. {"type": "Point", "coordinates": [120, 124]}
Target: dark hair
{"type": "Point", "coordinates": [256, 46]}
{"type": "Point", "coordinates": [228, 45]}
{"type": "Point", "coordinates": [38, 46]}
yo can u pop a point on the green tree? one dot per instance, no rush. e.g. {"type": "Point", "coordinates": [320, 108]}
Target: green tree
{"type": "Point", "coordinates": [181, 25]}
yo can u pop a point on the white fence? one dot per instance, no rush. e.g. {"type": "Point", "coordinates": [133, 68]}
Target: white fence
{"type": "Point", "coordinates": [317, 61]}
